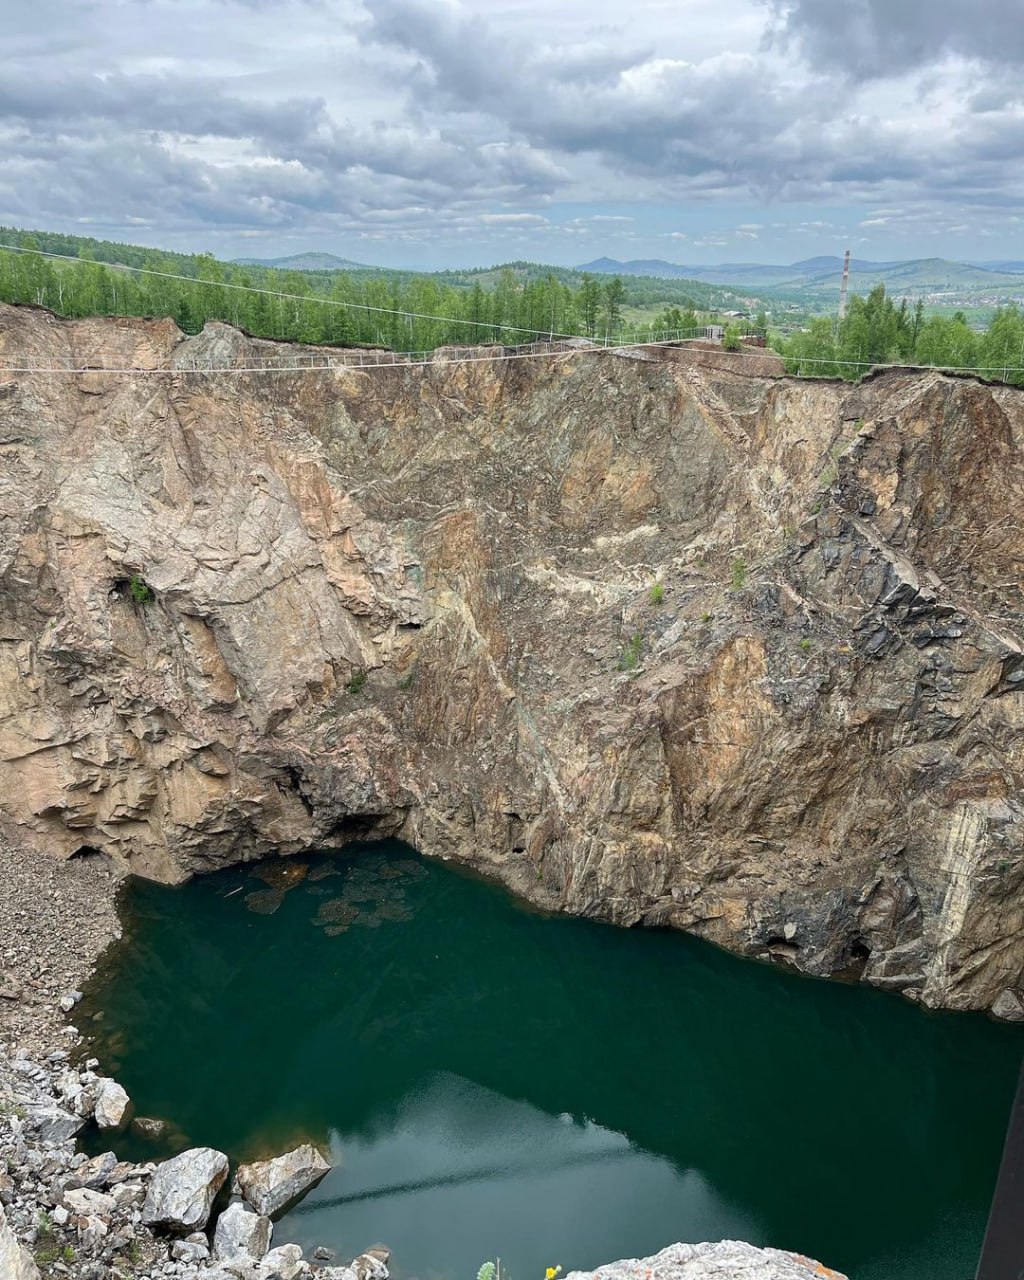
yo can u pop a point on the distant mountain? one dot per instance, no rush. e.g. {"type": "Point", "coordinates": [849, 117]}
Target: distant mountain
{"type": "Point", "coordinates": [304, 262]}
{"type": "Point", "coordinates": [638, 267]}
{"type": "Point", "coordinates": [1009, 266]}
{"type": "Point", "coordinates": [818, 276]}
{"type": "Point", "coordinates": [724, 273]}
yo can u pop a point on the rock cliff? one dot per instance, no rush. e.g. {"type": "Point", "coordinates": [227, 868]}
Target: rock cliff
{"type": "Point", "coordinates": [653, 642]}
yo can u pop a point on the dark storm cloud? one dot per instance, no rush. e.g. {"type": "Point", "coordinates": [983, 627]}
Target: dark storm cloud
{"type": "Point", "coordinates": [870, 38]}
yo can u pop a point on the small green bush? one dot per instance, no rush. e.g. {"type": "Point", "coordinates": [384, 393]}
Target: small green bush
{"type": "Point", "coordinates": [657, 594]}
{"type": "Point", "coordinates": [705, 617]}
{"type": "Point", "coordinates": [805, 644]}
{"type": "Point", "coordinates": [140, 590]}
{"type": "Point", "coordinates": [355, 685]}
{"type": "Point", "coordinates": [739, 575]}
{"type": "Point", "coordinates": [629, 658]}
{"type": "Point", "coordinates": [407, 681]}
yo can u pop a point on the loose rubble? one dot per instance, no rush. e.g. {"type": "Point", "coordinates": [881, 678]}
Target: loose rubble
{"type": "Point", "coordinates": [66, 1216]}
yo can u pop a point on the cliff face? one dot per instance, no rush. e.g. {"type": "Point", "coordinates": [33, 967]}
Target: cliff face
{"type": "Point", "coordinates": [809, 744]}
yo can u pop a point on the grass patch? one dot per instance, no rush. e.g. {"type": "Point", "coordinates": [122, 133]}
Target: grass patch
{"type": "Point", "coordinates": [657, 594]}
{"type": "Point", "coordinates": [355, 685]}
{"type": "Point", "coordinates": [739, 575]}
{"type": "Point", "coordinates": [629, 658]}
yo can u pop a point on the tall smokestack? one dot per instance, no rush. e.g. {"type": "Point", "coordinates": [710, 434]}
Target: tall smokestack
{"type": "Point", "coordinates": [844, 287]}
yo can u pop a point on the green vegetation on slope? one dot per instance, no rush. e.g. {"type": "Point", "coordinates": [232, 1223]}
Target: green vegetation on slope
{"type": "Point", "coordinates": [877, 331]}
{"type": "Point", "coordinates": [366, 306]}
{"type": "Point", "coordinates": [410, 311]}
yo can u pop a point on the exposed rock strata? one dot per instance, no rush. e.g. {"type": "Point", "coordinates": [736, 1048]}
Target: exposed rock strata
{"type": "Point", "coordinates": [816, 755]}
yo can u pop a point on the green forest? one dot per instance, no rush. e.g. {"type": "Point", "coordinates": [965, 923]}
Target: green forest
{"type": "Point", "coordinates": [521, 302]}
{"type": "Point", "coordinates": [877, 330]}
{"type": "Point", "coordinates": [403, 311]}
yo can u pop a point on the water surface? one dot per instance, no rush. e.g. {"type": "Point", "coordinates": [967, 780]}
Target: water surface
{"type": "Point", "coordinates": [491, 1081]}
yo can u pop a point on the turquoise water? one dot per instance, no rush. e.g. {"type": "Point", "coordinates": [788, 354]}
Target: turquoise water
{"type": "Point", "coordinates": [494, 1082]}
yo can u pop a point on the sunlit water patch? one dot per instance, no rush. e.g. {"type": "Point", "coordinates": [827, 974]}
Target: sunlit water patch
{"type": "Point", "coordinates": [490, 1081]}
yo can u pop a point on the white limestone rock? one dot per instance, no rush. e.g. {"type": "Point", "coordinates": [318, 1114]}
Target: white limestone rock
{"type": "Point", "coordinates": [368, 1266]}
{"type": "Point", "coordinates": [194, 1248]}
{"type": "Point", "coordinates": [52, 1124]}
{"type": "Point", "coordinates": [94, 1173]}
{"type": "Point", "coordinates": [268, 1185]}
{"type": "Point", "coordinates": [285, 1263]}
{"type": "Point", "coordinates": [84, 1202]}
{"type": "Point", "coordinates": [726, 1260]}
{"type": "Point", "coordinates": [182, 1190]}
{"type": "Point", "coordinates": [15, 1262]}
{"type": "Point", "coordinates": [112, 1105]}
{"type": "Point", "coordinates": [241, 1233]}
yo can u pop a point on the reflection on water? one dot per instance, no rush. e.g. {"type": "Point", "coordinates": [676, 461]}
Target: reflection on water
{"type": "Point", "coordinates": [491, 1081]}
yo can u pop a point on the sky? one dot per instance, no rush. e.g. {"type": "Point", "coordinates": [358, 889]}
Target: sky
{"type": "Point", "coordinates": [433, 133]}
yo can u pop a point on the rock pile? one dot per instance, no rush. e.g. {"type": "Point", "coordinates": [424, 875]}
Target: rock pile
{"type": "Point", "coordinates": [65, 1215]}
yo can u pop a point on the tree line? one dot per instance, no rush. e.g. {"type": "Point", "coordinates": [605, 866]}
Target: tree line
{"type": "Point", "coordinates": [408, 312]}
{"type": "Point", "coordinates": [401, 311]}
{"type": "Point", "coordinates": [876, 330]}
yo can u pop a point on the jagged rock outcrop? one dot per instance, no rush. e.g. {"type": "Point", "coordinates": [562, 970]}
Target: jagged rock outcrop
{"type": "Point", "coordinates": [724, 1260]}
{"type": "Point", "coordinates": [661, 644]}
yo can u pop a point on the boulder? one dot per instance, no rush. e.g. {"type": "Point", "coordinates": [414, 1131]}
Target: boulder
{"type": "Point", "coordinates": [285, 1263]}
{"type": "Point", "coordinates": [150, 1128]}
{"type": "Point", "coordinates": [91, 1231]}
{"type": "Point", "coordinates": [84, 1202]}
{"type": "Point", "coordinates": [241, 1233]}
{"type": "Point", "coordinates": [112, 1104]}
{"type": "Point", "coordinates": [268, 1185]}
{"type": "Point", "coordinates": [368, 1266]}
{"type": "Point", "coordinates": [94, 1174]}
{"type": "Point", "coordinates": [182, 1190]}
{"type": "Point", "coordinates": [713, 1262]}
{"type": "Point", "coordinates": [194, 1248]}
{"type": "Point", "coordinates": [52, 1124]}
{"type": "Point", "coordinates": [1009, 1005]}
{"type": "Point", "coordinates": [15, 1262]}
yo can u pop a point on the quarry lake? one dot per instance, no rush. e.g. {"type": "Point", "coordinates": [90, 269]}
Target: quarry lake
{"type": "Point", "coordinates": [489, 1081]}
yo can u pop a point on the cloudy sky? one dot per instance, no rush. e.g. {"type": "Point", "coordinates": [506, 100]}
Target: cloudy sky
{"type": "Point", "coordinates": [445, 132]}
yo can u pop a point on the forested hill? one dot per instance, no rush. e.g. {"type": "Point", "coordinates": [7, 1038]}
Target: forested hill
{"type": "Point", "coordinates": [406, 311]}
{"type": "Point", "coordinates": [507, 303]}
